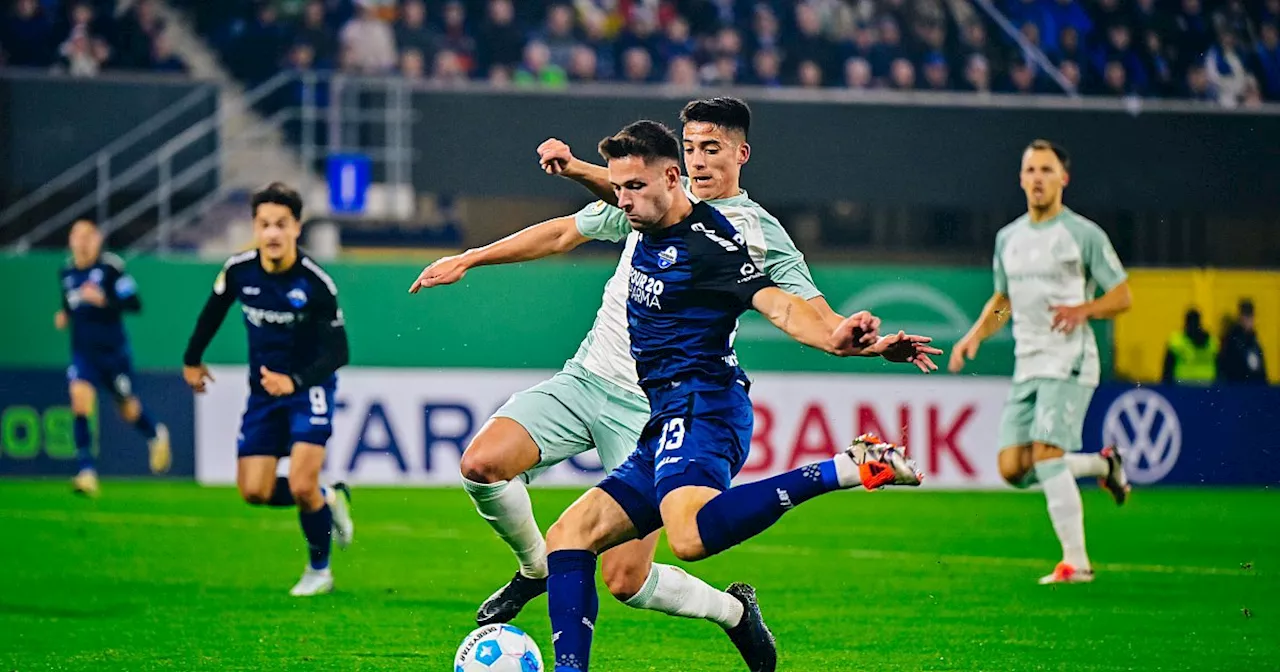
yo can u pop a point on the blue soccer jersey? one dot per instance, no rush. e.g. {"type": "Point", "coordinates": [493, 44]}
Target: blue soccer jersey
{"type": "Point", "coordinates": [295, 328]}
{"type": "Point", "coordinates": [100, 353]}
{"type": "Point", "coordinates": [689, 284]}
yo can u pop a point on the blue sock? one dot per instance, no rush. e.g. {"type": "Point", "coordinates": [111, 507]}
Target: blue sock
{"type": "Point", "coordinates": [317, 527]}
{"type": "Point", "coordinates": [84, 442]}
{"type": "Point", "coordinates": [742, 512]}
{"type": "Point", "coordinates": [574, 605]}
{"type": "Point", "coordinates": [145, 425]}
{"type": "Point", "coordinates": [281, 495]}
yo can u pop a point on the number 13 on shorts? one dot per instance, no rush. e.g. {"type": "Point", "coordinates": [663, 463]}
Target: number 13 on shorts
{"type": "Point", "coordinates": [672, 436]}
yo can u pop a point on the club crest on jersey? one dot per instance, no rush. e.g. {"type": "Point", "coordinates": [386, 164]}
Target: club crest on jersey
{"type": "Point", "coordinates": [297, 297]}
{"type": "Point", "coordinates": [95, 276]}
{"type": "Point", "coordinates": [667, 258]}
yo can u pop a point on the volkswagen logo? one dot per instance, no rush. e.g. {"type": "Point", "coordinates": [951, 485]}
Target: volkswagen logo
{"type": "Point", "coordinates": [1143, 426]}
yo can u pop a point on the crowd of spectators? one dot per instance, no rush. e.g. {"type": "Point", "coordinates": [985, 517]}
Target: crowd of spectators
{"type": "Point", "coordinates": [1227, 51]}
{"type": "Point", "coordinates": [84, 37]}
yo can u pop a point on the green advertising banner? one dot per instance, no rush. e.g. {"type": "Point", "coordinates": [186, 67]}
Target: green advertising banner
{"type": "Point", "coordinates": [522, 316]}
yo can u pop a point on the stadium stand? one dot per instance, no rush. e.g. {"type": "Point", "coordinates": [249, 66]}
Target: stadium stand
{"type": "Point", "coordinates": [1226, 51]}
{"type": "Point", "coordinates": [85, 37]}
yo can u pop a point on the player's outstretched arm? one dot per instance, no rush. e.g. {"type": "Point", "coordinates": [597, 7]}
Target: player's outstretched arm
{"type": "Point", "coordinates": [207, 325]}
{"type": "Point", "coordinates": [993, 317]}
{"type": "Point", "coordinates": [554, 236]}
{"type": "Point", "coordinates": [556, 158]}
{"type": "Point", "coordinates": [801, 321]}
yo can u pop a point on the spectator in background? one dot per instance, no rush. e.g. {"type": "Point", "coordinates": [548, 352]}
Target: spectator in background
{"type": "Point", "coordinates": [640, 33]}
{"type": "Point", "coordinates": [973, 40]}
{"type": "Point", "coordinates": [1021, 78]}
{"type": "Point", "coordinates": [1194, 31]}
{"type": "Point", "coordinates": [28, 35]}
{"type": "Point", "coordinates": [537, 68]}
{"type": "Point", "coordinates": [582, 64]}
{"type": "Point", "coordinates": [141, 25]}
{"type": "Point", "coordinates": [83, 55]}
{"type": "Point", "coordinates": [1107, 13]}
{"type": "Point", "coordinates": [1070, 14]}
{"type": "Point", "coordinates": [1115, 80]}
{"type": "Point", "coordinates": [1226, 70]}
{"type": "Point", "coordinates": [937, 76]}
{"type": "Point", "coordinates": [862, 43]}
{"type": "Point", "coordinates": [1197, 84]}
{"type": "Point", "coordinates": [1022, 12]}
{"type": "Point", "coordinates": [1119, 49]}
{"type": "Point", "coordinates": [316, 33]}
{"type": "Point", "coordinates": [637, 66]}
{"type": "Point", "coordinates": [501, 40]}
{"type": "Point", "coordinates": [723, 71]}
{"type": "Point", "coordinates": [413, 34]}
{"type": "Point", "coordinates": [301, 57]}
{"type": "Point", "coordinates": [1240, 360]}
{"type": "Point", "coordinates": [676, 41]}
{"type": "Point", "coordinates": [450, 68]}
{"type": "Point", "coordinates": [1251, 99]}
{"type": "Point", "coordinates": [369, 42]}
{"type": "Point", "coordinates": [162, 57]}
{"type": "Point", "coordinates": [766, 68]}
{"type": "Point", "coordinates": [597, 38]}
{"type": "Point", "coordinates": [857, 74]}
{"type": "Point", "coordinates": [413, 65]}
{"type": "Point", "coordinates": [977, 74]}
{"type": "Point", "coordinates": [1270, 12]}
{"type": "Point", "coordinates": [682, 72]}
{"type": "Point", "coordinates": [902, 75]}
{"type": "Point", "coordinates": [766, 32]}
{"type": "Point", "coordinates": [1146, 16]}
{"type": "Point", "coordinates": [1158, 66]}
{"type": "Point", "coordinates": [457, 39]}
{"type": "Point", "coordinates": [809, 75]}
{"type": "Point", "coordinates": [808, 43]}
{"type": "Point", "coordinates": [1071, 72]}
{"type": "Point", "coordinates": [1266, 61]}
{"type": "Point", "coordinates": [1069, 47]}
{"type": "Point", "coordinates": [1234, 18]}
{"type": "Point", "coordinates": [257, 51]}
{"type": "Point", "coordinates": [1191, 355]}
{"type": "Point", "coordinates": [889, 49]}
{"type": "Point", "coordinates": [557, 34]}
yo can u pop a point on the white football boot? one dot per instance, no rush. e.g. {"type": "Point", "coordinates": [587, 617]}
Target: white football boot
{"type": "Point", "coordinates": [338, 497]}
{"type": "Point", "coordinates": [313, 582]}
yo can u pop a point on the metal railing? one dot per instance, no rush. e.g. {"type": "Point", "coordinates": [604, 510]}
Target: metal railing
{"type": "Point", "coordinates": [101, 162]}
{"type": "Point", "coordinates": [341, 113]}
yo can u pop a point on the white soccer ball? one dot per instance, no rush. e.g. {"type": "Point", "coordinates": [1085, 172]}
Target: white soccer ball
{"type": "Point", "coordinates": [498, 648]}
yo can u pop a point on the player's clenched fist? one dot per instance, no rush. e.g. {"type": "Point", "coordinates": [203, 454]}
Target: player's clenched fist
{"type": "Point", "coordinates": [444, 271]}
{"type": "Point", "coordinates": [555, 157]}
{"type": "Point", "coordinates": [276, 384]}
{"type": "Point", "coordinates": [197, 377]}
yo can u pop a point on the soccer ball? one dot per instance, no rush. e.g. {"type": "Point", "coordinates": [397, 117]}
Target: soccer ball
{"type": "Point", "coordinates": [498, 648]}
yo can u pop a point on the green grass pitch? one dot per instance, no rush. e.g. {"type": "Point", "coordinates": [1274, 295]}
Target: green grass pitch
{"type": "Point", "coordinates": [168, 576]}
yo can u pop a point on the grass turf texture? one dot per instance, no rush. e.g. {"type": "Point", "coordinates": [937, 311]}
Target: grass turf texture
{"type": "Point", "coordinates": [168, 576]}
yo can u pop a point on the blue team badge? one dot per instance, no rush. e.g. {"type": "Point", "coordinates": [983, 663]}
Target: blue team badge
{"type": "Point", "coordinates": [297, 297]}
{"type": "Point", "coordinates": [667, 257]}
{"type": "Point", "coordinates": [95, 276]}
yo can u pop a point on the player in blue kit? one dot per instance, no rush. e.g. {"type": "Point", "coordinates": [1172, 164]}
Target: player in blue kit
{"type": "Point", "coordinates": [96, 294]}
{"type": "Point", "coordinates": [691, 278]}
{"type": "Point", "coordinates": [297, 342]}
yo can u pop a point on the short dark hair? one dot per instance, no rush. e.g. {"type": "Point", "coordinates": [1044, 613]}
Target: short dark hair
{"type": "Point", "coordinates": [278, 193]}
{"type": "Point", "coordinates": [646, 139]}
{"type": "Point", "coordinates": [723, 111]}
{"type": "Point", "coordinates": [1058, 150]}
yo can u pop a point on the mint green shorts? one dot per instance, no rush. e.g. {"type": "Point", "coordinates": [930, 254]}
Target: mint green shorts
{"type": "Point", "coordinates": [1045, 410]}
{"type": "Point", "coordinates": [575, 411]}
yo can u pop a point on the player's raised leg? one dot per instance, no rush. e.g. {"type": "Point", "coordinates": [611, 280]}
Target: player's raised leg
{"type": "Point", "coordinates": [315, 515]}
{"type": "Point", "coordinates": [83, 399]}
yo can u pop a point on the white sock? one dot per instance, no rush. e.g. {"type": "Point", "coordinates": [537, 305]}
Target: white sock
{"type": "Point", "coordinates": [673, 591]}
{"type": "Point", "coordinates": [1065, 510]}
{"type": "Point", "coordinates": [847, 473]}
{"type": "Point", "coordinates": [1083, 465]}
{"type": "Point", "coordinates": [506, 506]}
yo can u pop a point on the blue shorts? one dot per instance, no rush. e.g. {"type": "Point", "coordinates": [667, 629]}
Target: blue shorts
{"type": "Point", "coordinates": [111, 371]}
{"type": "Point", "coordinates": [271, 425]}
{"type": "Point", "coordinates": [697, 434]}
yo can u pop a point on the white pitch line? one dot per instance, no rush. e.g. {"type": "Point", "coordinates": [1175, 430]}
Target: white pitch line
{"type": "Point", "coordinates": [401, 529]}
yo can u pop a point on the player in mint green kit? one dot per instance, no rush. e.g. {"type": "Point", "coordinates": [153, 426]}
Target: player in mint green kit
{"type": "Point", "coordinates": [1049, 266]}
{"type": "Point", "coordinates": [595, 401]}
